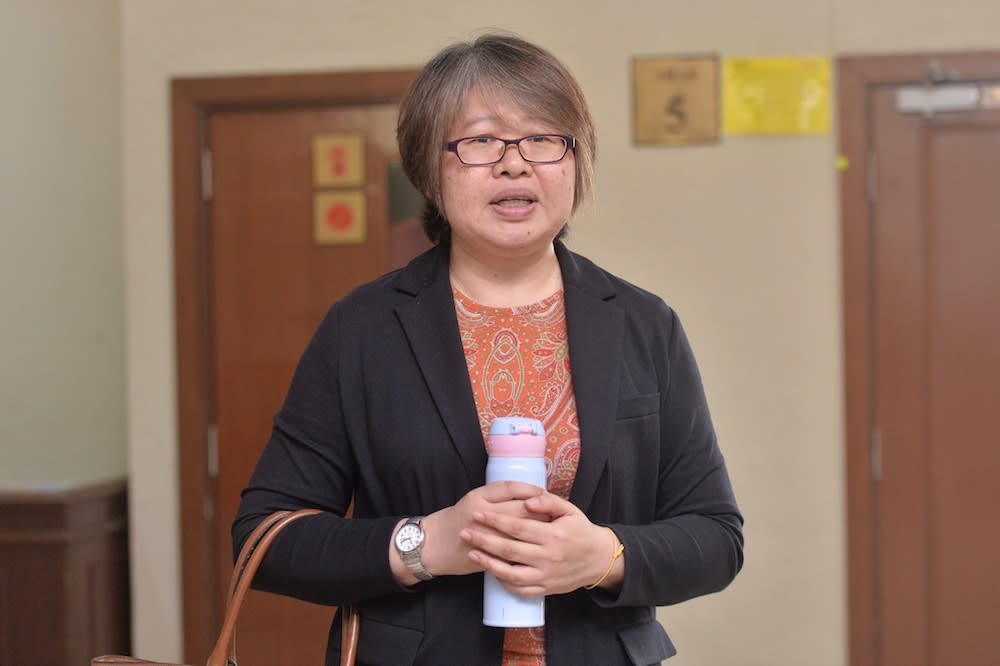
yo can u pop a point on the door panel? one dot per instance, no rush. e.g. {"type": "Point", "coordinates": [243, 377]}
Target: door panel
{"type": "Point", "coordinates": [271, 284]}
{"type": "Point", "coordinates": [963, 313]}
{"type": "Point", "coordinates": [936, 289]}
{"type": "Point", "coordinates": [900, 389]}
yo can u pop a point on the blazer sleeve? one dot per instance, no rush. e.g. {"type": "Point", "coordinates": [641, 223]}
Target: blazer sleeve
{"type": "Point", "coordinates": [308, 463]}
{"type": "Point", "coordinates": [694, 545]}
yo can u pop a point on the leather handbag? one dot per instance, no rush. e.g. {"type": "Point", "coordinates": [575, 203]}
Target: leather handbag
{"type": "Point", "coordinates": [247, 563]}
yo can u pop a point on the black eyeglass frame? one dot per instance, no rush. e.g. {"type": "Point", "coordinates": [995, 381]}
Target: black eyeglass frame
{"type": "Point", "coordinates": [452, 147]}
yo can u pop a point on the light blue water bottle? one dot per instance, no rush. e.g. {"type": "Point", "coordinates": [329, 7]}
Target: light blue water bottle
{"type": "Point", "coordinates": [516, 448]}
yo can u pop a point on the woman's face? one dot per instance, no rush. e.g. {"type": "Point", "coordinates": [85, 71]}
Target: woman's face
{"type": "Point", "coordinates": [511, 208]}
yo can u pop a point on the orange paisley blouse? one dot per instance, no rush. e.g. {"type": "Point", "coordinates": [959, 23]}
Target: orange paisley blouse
{"type": "Point", "coordinates": [518, 361]}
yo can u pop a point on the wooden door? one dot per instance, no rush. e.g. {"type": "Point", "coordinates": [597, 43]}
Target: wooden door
{"type": "Point", "coordinates": [271, 284]}
{"type": "Point", "coordinates": [261, 281]}
{"type": "Point", "coordinates": [923, 316]}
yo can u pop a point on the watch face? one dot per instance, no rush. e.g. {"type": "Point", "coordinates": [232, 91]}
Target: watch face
{"type": "Point", "coordinates": [409, 537]}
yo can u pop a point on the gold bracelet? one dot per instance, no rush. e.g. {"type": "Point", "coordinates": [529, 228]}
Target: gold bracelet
{"type": "Point", "coordinates": [619, 549]}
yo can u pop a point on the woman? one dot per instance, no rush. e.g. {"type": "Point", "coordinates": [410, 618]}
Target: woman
{"type": "Point", "coordinates": [392, 399]}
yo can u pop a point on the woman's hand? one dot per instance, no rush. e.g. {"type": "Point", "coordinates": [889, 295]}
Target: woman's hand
{"type": "Point", "coordinates": [555, 549]}
{"type": "Point", "coordinates": [444, 552]}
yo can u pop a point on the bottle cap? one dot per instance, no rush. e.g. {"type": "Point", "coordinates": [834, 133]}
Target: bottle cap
{"type": "Point", "coordinates": [516, 437]}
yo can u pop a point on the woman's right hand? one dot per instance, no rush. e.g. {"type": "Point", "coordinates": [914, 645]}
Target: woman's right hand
{"type": "Point", "coordinates": [444, 552]}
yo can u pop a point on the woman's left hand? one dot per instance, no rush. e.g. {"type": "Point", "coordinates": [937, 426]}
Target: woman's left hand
{"type": "Point", "coordinates": [558, 554]}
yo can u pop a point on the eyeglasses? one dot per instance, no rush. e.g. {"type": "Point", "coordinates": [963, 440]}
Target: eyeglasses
{"type": "Point", "coordinates": [537, 148]}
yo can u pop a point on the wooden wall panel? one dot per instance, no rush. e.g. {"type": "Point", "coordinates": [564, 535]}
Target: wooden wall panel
{"type": "Point", "coordinates": [64, 586]}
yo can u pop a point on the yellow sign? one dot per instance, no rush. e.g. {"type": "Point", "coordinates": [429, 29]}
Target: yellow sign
{"type": "Point", "coordinates": [776, 95]}
{"type": "Point", "coordinates": [340, 217]}
{"type": "Point", "coordinates": [338, 160]}
{"type": "Point", "coordinates": [676, 99]}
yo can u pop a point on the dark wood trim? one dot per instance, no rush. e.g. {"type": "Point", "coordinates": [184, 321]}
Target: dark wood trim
{"type": "Point", "coordinates": [856, 77]}
{"type": "Point", "coordinates": [857, 360]}
{"type": "Point", "coordinates": [194, 387]}
{"type": "Point", "coordinates": [64, 573]}
{"type": "Point", "coordinates": [192, 101]}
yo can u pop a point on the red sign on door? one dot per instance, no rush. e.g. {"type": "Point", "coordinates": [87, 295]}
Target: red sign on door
{"type": "Point", "coordinates": [340, 217]}
{"type": "Point", "coordinates": [338, 160]}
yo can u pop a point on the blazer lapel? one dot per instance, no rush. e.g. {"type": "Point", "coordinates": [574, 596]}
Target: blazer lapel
{"type": "Point", "coordinates": [596, 330]}
{"type": "Point", "coordinates": [431, 326]}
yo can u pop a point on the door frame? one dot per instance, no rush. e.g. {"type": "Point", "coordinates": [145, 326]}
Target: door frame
{"type": "Point", "coordinates": [193, 100]}
{"type": "Point", "coordinates": [857, 77]}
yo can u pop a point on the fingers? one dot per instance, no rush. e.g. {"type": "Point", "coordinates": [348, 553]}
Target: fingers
{"type": "Point", "coordinates": [498, 532]}
{"type": "Point", "coordinates": [512, 508]}
{"type": "Point", "coordinates": [555, 550]}
{"type": "Point", "coordinates": [550, 505]}
{"type": "Point", "coordinates": [506, 559]}
{"type": "Point", "coordinates": [516, 578]}
{"type": "Point", "coordinates": [521, 527]}
{"type": "Point", "coordinates": [446, 550]}
{"type": "Point", "coordinates": [512, 550]}
{"type": "Point", "coordinates": [501, 491]}
{"type": "Point", "coordinates": [501, 543]}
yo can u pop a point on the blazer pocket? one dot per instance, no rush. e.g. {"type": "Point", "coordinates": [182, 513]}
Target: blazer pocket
{"type": "Point", "coordinates": [646, 643]}
{"type": "Point", "coordinates": [642, 405]}
{"type": "Point", "coordinates": [381, 644]}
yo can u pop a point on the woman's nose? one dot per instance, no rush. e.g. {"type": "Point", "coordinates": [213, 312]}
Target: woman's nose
{"type": "Point", "coordinates": [512, 162]}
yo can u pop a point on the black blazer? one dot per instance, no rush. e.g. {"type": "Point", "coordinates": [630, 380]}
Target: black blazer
{"type": "Point", "coordinates": [381, 409]}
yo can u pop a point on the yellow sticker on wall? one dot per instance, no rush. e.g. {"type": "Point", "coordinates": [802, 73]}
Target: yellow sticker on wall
{"type": "Point", "coordinates": [776, 95]}
{"type": "Point", "coordinates": [340, 217]}
{"type": "Point", "coordinates": [338, 160]}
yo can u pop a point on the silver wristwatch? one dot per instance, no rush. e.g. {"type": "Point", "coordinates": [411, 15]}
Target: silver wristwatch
{"type": "Point", "coordinates": [409, 539]}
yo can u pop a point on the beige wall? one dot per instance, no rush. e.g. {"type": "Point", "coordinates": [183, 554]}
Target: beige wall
{"type": "Point", "coordinates": [62, 327]}
{"type": "Point", "coordinates": [741, 237]}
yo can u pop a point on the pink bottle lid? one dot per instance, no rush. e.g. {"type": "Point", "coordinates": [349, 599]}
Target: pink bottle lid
{"type": "Point", "coordinates": [516, 437]}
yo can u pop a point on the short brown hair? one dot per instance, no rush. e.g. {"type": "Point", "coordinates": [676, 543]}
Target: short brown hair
{"type": "Point", "coordinates": [499, 66]}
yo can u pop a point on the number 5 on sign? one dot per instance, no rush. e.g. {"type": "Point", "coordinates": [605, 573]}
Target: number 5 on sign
{"type": "Point", "coordinates": [338, 160]}
{"type": "Point", "coordinates": [676, 100]}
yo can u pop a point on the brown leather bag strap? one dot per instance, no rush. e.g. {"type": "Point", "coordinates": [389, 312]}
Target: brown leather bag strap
{"type": "Point", "coordinates": [351, 628]}
{"type": "Point", "coordinates": [253, 552]}
{"type": "Point", "coordinates": [248, 545]}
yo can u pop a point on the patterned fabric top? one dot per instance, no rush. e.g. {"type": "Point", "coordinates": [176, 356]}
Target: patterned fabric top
{"type": "Point", "coordinates": [518, 360]}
